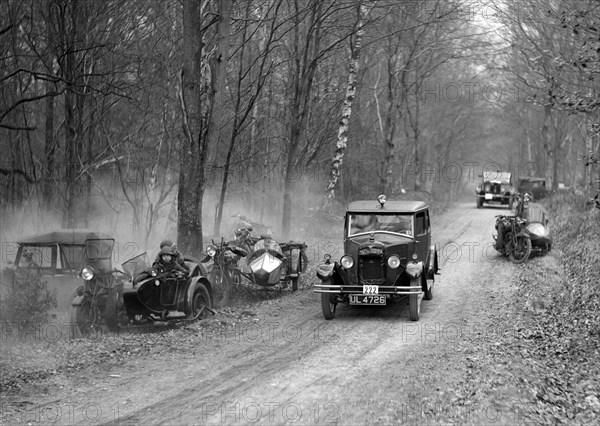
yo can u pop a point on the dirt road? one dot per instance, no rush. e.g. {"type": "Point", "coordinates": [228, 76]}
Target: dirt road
{"type": "Point", "coordinates": [282, 363]}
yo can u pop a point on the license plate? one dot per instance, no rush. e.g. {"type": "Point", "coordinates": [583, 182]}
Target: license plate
{"type": "Point", "coordinates": [370, 289]}
{"type": "Point", "coordinates": [367, 299]}
{"type": "Point", "coordinates": [489, 196]}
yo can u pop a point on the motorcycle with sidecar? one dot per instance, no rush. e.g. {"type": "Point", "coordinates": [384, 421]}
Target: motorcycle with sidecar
{"type": "Point", "coordinates": [137, 295]}
{"type": "Point", "coordinates": [265, 262]}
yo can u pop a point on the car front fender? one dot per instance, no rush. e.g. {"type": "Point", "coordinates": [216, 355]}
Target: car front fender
{"type": "Point", "coordinates": [325, 270]}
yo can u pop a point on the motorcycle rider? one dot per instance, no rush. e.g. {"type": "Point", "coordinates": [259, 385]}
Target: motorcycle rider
{"type": "Point", "coordinates": [167, 262]}
{"type": "Point", "coordinates": [178, 256]}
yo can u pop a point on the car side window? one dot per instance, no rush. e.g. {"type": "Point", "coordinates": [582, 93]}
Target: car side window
{"type": "Point", "coordinates": [38, 257]}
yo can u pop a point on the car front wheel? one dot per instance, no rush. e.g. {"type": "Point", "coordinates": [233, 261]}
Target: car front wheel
{"type": "Point", "coordinates": [328, 306]}
{"type": "Point", "coordinates": [414, 302]}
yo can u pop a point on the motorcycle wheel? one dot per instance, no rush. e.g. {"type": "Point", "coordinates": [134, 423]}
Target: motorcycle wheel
{"type": "Point", "coordinates": [414, 304]}
{"type": "Point", "coordinates": [81, 319]}
{"type": "Point", "coordinates": [221, 286]}
{"type": "Point", "coordinates": [327, 306]}
{"type": "Point", "coordinates": [522, 249]}
{"type": "Point", "coordinates": [111, 311]}
{"type": "Point", "coordinates": [201, 301]}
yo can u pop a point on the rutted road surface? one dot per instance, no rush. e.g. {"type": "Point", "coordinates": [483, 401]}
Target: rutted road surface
{"type": "Point", "coordinates": [290, 366]}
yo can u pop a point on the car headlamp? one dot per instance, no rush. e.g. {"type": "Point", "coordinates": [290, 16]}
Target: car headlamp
{"type": "Point", "coordinates": [393, 261]}
{"type": "Point", "coordinates": [413, 269]}
{"type": "Point", "coordinates": [347, 262]}
{"type": "Point", "coordinates": [211, 251]}
{"type": "Point", "coordinates": [154, 272]}
{"type": "Point", "coordinates": [382, 199]}
{"type": "Point", "coordinates": [87, 273]}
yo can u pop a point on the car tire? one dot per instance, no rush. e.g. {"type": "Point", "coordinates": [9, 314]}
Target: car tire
{"type": "Point", "coordinates": [429, 291]}
{"type": "Point", "coordinates": [511, 202]}
{"type": "Point", "coordinates": [294, 283]}
{"type": "Point", "coordinates": [327, 306]}
{"type": "Point", "coordinates": [200, 301]}
{"type": "Point", "coordinates": [479, 202]}
{"type": "Point", "coordinates": [414, 304]}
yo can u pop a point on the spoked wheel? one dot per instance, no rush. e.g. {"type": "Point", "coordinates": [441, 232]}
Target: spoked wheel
{"type": "Point", "coordinates": [81, 321]}
{"type": "Point", "coordinates": [520, 250]}
{"type": "Point", "coordinates": [221, 286]}
{"type": "Point", "coordinates": [414, 301]}
{"type": "Point", "coordinates": [200, 302]}
{"type": "Point", "coordinates": [328, 306]}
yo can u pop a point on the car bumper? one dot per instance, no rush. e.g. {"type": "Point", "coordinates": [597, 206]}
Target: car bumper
{"type": "Point", "coordinates": [358, 289]}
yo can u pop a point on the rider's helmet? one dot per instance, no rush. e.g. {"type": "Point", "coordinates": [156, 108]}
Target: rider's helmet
{"type": "Point", "coordinates": [166, 251]}
{"type": "Point", "coordinates": [166, 243]}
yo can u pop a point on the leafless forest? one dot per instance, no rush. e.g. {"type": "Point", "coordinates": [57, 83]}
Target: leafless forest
{"type": "Point", "coordinates": [156, 117]}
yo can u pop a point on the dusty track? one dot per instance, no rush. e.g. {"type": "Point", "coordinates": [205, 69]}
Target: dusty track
{"type": "Point", "coordinates": [368, 365]}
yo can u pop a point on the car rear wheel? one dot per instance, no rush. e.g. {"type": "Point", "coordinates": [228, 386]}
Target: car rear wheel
{"type": "Point", "coordinates": [414, 302]}
{"type": "Point", "coordinates": [328, 306]}
{"type": "Point", "coordinates": [479, 202]}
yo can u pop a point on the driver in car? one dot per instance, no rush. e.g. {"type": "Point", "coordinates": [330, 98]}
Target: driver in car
{"type": "Point", "coordinates": [167, 263]}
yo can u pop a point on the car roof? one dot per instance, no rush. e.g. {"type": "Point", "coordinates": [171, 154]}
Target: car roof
{"type": "Point", "coordinates": [532, 179]}
{"type": "Point", "coordinates": [502, 177]}
{"type": "Point", "coordinates": [66, 236]}
{"type": "Point", "coordinates": [390, 206]}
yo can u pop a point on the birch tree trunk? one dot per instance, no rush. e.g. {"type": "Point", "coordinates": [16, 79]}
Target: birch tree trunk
{"type": "Point", "coordinates": [342, 134]}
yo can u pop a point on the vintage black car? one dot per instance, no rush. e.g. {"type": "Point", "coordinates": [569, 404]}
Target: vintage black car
{"type": "Point", "coordinates": [387, 253]}
{"type": "Point", "coordinates": [58, 256]}
{"type": "Point", "coordinates": [495, 188]}
{"type": "Point", "coordinates": [535, 186]}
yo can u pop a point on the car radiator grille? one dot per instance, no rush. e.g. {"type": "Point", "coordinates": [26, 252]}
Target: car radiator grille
{"type": "Point", "coordinates": [372, 270]}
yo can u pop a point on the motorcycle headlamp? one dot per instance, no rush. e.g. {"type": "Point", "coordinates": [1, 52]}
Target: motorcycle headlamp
{"type": "Point", "coordinates": [347, 262]}
{"type": "Point", "coordinates": [211, 251]}
{"type": "Point", "coordinates": [87, 273]}
{"type": "Point", "coordinates": [393, 261]}
{"type": "Point", "coordinates": [413, 269]}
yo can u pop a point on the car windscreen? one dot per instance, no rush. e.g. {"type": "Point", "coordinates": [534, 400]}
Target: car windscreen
{"type": "Point", "coordinates": [371, 222]}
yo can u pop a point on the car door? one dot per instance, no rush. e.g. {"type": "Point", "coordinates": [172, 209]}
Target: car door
{"type": "Point", "coordinates": [422, 234]}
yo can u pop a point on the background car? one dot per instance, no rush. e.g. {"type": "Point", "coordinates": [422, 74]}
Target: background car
{"type": "Point", "coordinates": [495, 187]}
{"type": "Point", "coordinates": [387, 253]}
{"type": "Point", "coordinates": [58, 257]}
{"type": "Point", "coordinates": [536, 186]}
